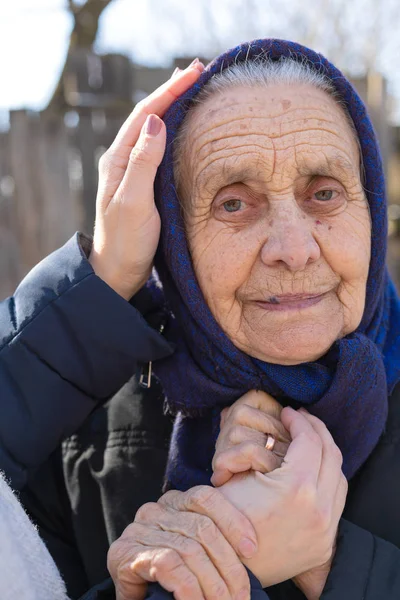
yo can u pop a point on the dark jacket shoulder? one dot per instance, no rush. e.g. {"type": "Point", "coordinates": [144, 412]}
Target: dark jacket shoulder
{"type": "Point", "coordinates": [68, 342]}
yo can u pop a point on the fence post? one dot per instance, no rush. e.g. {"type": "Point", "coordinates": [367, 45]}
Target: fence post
{"type": "Point", "coordinates": [23, 158]}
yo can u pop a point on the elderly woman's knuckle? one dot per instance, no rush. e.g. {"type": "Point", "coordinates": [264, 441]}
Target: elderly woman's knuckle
{"type": "Point", "coordinates": [240, 413]}
{"type": "Point", "coordinates": [250, 449]}
{"type": "Point", "coordinates": [166, 562]}
{"type": "Point", "coordinates": [202, 497]}
{"type": "Point", "coordinates": [169, 498]}
{"type": "Point", "coordinates": [189, 548]}
{"type": "Point", "coordinates": [147, 511]}
{"type": "Point", "coordinates": [235, 434]}
{"type": "Point", "coordinates": [219, 461]}
{"type": "Point", "coordinates": [114, 557]}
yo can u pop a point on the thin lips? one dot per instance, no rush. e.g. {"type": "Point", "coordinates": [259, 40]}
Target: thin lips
{"type": "Point", "coordinates": [292, 297]}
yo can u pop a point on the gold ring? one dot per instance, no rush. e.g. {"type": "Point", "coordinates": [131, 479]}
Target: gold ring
{"type": "Point", "coordinates": [270, 444]}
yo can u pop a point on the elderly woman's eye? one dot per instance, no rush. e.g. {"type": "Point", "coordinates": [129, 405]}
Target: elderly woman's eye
{"type": "Point", "coordinates": [324, 195]}
{"type": "Point", "coordinates": [232, 205]}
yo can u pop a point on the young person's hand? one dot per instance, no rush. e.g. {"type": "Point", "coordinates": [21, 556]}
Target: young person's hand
{"type": "Point", "coordinates": [127, 226]}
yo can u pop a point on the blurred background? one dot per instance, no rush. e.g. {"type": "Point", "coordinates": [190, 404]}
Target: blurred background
{"type": "Point", "coordinates": [71, 71]}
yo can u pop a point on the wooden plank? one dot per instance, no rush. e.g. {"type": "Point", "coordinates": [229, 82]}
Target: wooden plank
{"type": "Point", "coordinates": [85, 141]}
{"type": "Point", "coordinates": [10, 269]}
{"type": "Point", "coordinates": [59, 211]}
{"type": "Point", "coordinates": [23, 157]}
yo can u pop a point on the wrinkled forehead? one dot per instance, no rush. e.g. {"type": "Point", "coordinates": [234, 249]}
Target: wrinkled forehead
{"type": "Point", "coordinates": [280, 117]}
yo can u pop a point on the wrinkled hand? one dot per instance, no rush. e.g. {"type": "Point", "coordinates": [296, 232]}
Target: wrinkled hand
{"type": "Point", "coordinates": [127, 227]}
{"type": "Point", "coordinates": [192, 543]}
{"type": "Point", "coordinates": [241, 443]}
{"type": "Point", "coordinates": [295, 509]}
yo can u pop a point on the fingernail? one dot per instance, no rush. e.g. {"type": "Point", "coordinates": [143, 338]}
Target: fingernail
{"type": "Point", "coordinates": [247, 548]}
{"type": "Point", "coordinates": [176, 71]}
{"type": "Point", "coordinates": [197, 65]}
{"type": "Point", "coordinates": [152, 126]}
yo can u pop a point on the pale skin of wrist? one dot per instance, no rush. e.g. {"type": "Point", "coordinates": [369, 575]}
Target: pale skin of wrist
{"type": "Point", "coordinates": [111, 279]}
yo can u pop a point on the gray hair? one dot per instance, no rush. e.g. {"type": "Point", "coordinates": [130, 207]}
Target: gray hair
{"type": "Point", "coordinates": [260, 72]}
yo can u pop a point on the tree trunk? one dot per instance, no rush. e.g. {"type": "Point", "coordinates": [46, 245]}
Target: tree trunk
{"type": "Point", "coordinates": [83, 35]}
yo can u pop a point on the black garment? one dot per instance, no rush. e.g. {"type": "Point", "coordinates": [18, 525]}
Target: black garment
{"type": "Point", "coordinates": [68, 344]}
{"type": "Point", "coordinates": [366, 566]}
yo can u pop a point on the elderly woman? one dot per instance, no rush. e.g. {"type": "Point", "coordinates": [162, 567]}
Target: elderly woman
{"type": "Point", "coordinates": [272, 259]}
{"type": "Point", "coordinates": [272, 262]}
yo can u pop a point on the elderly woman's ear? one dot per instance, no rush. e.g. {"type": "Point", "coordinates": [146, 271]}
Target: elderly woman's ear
{"type": "Point", "coordinates": [245, 429]}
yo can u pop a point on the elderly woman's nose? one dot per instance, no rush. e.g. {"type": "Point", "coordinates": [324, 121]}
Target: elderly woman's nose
{"type": "Point", "coordinates": [290, 241]}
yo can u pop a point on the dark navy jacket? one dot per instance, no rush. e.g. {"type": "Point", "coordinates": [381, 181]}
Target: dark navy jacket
{"type": "Point", "coordinates": [87, 445]}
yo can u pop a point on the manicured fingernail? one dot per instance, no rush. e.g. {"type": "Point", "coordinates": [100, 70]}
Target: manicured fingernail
{"type": "Point", "coordinates": [176, 71]}
{"type": "Point", "coordinates": [247, 548]}
{"type": "Point", "coordinates": [153, 125]}
{"type": "Point", "coordinates": [197, 65]}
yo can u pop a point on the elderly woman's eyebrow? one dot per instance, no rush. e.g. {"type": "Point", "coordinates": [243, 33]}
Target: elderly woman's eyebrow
{"type": "Point", "coordinates": [225, 175]}
{"type": "Point", "coordinates": [336, 165]}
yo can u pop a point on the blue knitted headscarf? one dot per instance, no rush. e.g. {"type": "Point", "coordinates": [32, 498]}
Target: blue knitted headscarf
{"type": "Point", "coordinates": [347, 389]}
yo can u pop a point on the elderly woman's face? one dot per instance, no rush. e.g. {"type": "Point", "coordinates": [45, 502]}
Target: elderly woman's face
{"type": "Point", "coordinates": [277, 221]}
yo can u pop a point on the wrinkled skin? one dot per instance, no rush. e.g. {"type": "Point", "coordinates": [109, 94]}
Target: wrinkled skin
{"type": "Point", "coordinates": [274, 206]}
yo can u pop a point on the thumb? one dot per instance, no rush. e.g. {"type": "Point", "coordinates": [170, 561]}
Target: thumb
{"type": "Point", "coordinates": [144, 160]}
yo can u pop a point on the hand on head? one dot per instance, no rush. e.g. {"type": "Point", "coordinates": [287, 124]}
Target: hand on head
{"type": "Point", "coordinates": [127, 222]}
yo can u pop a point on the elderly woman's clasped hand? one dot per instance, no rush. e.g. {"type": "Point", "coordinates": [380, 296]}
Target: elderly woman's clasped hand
{"type": "Point", "coordinates": [194, 543]}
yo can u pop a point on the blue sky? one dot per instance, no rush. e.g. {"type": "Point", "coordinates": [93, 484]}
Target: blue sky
{"type": "Point", "coordinates": [34, 35]}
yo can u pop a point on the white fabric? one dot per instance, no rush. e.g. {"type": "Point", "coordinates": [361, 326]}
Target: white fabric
{"type": "Point", "coordinates": [27, 571]}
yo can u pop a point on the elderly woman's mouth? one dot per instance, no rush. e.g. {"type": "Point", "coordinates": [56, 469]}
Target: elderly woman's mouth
{"type": "Point", "coordinates": [291, 301]}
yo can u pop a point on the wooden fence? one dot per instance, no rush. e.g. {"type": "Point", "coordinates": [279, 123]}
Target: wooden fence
{"type": "Point", "coordinates": [48, 183]}
{"type": "Point", "coordinates": [48, 161]}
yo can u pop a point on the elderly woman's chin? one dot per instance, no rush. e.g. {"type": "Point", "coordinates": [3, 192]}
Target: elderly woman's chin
{"type": "Point", "coordinates": [297, 331]}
